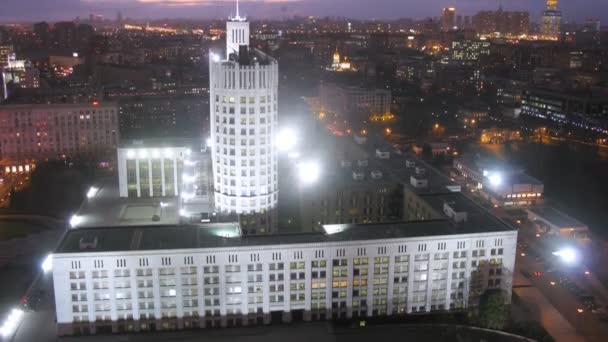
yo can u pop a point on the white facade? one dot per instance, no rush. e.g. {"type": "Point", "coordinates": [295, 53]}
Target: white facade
{"type": "Point", "coordinates": [243, 100]}
{"type": "Point", "coordinates": [244, 284]}
{"type": "Point", "coordinates": [150, 171]}
{"type": "Point", "coordinates": [57, 130]}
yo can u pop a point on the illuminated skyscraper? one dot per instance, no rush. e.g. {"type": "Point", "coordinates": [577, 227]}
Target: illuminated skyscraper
{"type": "Point", "coordinates": [448, 18]}
{"type": "Point", "coordinates": [243, 100]}
{"type": "Point", "coordinates": [551, 21]}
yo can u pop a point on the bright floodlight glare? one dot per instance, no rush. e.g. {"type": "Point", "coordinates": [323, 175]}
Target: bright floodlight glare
{"type": "Point", "coordinates": [143, 153]}
{"type": "Point", "coordinates": [11, 323]}
{"type": "Point", "coordinates": [130, 154]}
{"type": "Point", "coordinates": [309, 172]}
{"type": "Point", "coordinates": [168, 153]}
{"type": "Point", "coordinates": [75, 220]}
{"type": "Point", "coordinates": [495, 179]}
{"type": "Point", "coordinates": [182, 212]}
{"type": "Point", "coordinates": [215, 57]}
{"type": "Point", "coordinates": [286, 139]}
{"type": "Point", "coordinates": [47, 264]}
{"type": "Point", "coordinates": [188, 178]}
{"type": "Point", "coordinates": [187, 195]}
{"type": "Point", "coordinates": [92, 192]}
{"type": "Point", "coordinates": [294, 155]}
{"type": "Point", "coordinates": [209, 142]}
{"type": "Point", "coordinates": [568, 255]}
{"type": "Point", "coordinates": [164, 204]}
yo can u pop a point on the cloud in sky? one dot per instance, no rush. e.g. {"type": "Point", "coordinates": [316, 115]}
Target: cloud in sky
{"type": "Point", "coordinates": [368, 9]}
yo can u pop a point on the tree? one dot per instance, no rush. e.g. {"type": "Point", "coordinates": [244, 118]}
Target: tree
{"type": "Point", "coordinates": [493, 313]}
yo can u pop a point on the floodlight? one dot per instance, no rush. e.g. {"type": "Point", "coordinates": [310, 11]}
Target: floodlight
{"type": "Point", "coordinates": [568, 255]}
{"type": "Point", "coordinates": [47, 264]}
{"type": "Point", "coordinates": [92, 192]}
{"type": "Point", "coordinates": [309, 172]}
{"type": "Point", "coordinates": [286, 139]}
{"type": "Point", "coordinates": [495, 179]}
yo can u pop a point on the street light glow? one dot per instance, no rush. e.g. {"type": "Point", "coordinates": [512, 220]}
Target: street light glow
{"type": "Point", "coordinates": [47, 264]}
{"type": "Point", "coordinates": [495, 179]}
{"type": "Point", "coordinates": [568, 255]}
{"type": "Point", "coordinates": [309, 171]}
{"type": "Point", "coordinates": [286, 139]}
{"type": "Point", "coordinates": [92, 192]}
{"type": "Point", "coordinates": [75, 220]}
{"type": "Point", "coordinates": [10, 324]}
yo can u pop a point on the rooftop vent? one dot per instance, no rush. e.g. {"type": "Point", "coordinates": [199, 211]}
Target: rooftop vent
{"type": "Point", "coordinates": [376, 174]}
{"type": "Point", "coordinates": [410, 163]}
{"type": "Point", "coordinates": [362, 162]}
{"type": "Point", "coordinates": [454, 212]}
{"type": "Point", "coordinates": [346, 163]}
{"type": "Point", "coordinates": [358, 175]}
{"type": "Point", "coordinates": [382, 154]}
{"type": "Point", "coordinates": [418, 182]}
{"type": "Point", "coordinates": [420, 170]}
{"type": "Point", "coordinates": [88, 242]}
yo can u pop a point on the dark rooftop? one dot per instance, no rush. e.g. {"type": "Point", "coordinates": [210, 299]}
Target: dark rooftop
{"type": "Point", "coordinates": [114, 239]}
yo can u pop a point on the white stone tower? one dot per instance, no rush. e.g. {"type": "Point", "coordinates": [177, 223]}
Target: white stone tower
{"type": "Point", "coordinates": [243, 100]}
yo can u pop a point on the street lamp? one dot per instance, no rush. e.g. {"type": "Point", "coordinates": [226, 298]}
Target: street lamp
{"type": "Point", "coordinates": [567, 255]}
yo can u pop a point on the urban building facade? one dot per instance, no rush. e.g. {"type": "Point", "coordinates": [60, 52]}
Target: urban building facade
{"type": "Point", "coordinates": [505, 23]}
{"type": "Point", "coordinates": [583, 109]}
{"type": "Point", "coordinates": [150, 170]}
{"type": "Point", "coordinates": [167, 278]}
{"type": "Point", "coordinates": [353, 101]}
{"type": "Point", "coordinates": [244, 121]}
{"type": "Point", "coordinates": [58, 130]}
{"type": "Point", "coordinates": [550, 26]}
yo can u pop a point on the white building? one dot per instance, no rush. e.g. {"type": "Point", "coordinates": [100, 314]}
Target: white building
{"type": "Point", "coordinates": [58, 130]}
{"type": "Point", "coordinates": [243, 101]}
{"type": "Point", "coordinates": [177, 277]}
{"type": "Point", "coordinates": [150, 169]}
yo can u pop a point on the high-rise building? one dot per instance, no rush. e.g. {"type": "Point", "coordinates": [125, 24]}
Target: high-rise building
{"type": "Point", "coordinates": [57, 130]}
{"type": "Point", "coordinates": [448, 18]}
{"type": "Point", "coordinates": [243, 105]}
{"type": "Point", "coordinates": [501, 22]}
{"type": "Point", "coordinates": [551, 21]}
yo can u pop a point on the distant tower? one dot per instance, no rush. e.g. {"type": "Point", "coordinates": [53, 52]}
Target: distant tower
{"type": "Point", "coordinates": [119, 18]}
{"type": "Point", "coordinates": [243, 99]}
{"type": "Point", "coordinates": [551, 21]}
{"type": "Point", "coordinates": [336, 59]}
{"type": "Point", "coordinates": [448, 18]}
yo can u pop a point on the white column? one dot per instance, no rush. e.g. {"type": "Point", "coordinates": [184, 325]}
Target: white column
{"type": "Point", "coordinates": [151, 192]}
{"type": "Point", "coordinates": [137, 176]}
{"type": "Point", "coordinates": [162, 174]}
{"type": "Point", "coordinates": [175, 182]}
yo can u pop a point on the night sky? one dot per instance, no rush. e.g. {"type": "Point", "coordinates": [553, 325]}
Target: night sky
{"type": "Point", "coordinates": [14, 10]}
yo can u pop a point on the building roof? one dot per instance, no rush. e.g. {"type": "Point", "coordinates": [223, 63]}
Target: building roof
{"type": "Point", "coordinates": [556, 217]}
{"type": "Point", "coordinates": [218, 235]}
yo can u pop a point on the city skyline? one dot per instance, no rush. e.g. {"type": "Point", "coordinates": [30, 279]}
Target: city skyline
{"type": "Point", "coordinates": [31, 10]}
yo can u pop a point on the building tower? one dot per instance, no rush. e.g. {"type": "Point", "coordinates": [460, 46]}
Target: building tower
{"type": "Point", "coordinates": [551, 21]}
{"type": "Point", "coordinates": [448, 18]}
{"type": "Point", "coordinates": [243, 100]}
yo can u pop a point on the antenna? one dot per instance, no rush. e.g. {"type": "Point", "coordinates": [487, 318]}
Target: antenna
{"type": "Point", "coordinates": [237, 9]}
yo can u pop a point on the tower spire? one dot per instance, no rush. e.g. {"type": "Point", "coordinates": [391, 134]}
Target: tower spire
{"type": "Point", "coordinates": [237, 9]}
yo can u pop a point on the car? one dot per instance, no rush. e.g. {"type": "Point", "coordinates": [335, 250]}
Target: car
{"type": "Point", "coordinates": [537, 273]}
